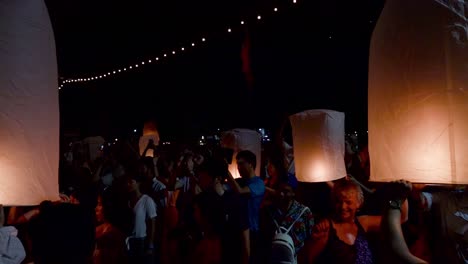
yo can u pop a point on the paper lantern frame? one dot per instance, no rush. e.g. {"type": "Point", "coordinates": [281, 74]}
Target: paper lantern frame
{"type": "Point", "coordinates": [319, 145]}
{"type": "Point", "coordinates": [417, 105]}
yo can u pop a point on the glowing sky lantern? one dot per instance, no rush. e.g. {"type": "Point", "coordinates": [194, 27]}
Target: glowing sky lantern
{"type": "Point", "coordinates": [418, 100]}
{"type": "Point", "coordinates": [29, 109]}
{"type": "Point", "coordinates": [242, 139]}
{"type": "Point", "coordinates": [319, 145]}
{"type": "Point", "coordinates": [150, 132]}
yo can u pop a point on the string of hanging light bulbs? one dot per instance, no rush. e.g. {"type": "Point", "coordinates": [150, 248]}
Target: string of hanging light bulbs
{"type": "Point", "coordinates": [150, 60]}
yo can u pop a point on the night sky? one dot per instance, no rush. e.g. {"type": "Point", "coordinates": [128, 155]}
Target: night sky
{"type": "Point", "coordinates": [307, 56]}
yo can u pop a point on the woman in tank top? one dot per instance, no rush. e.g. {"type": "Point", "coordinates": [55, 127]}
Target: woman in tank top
{"type": "Point", "coordinates": [342, 238]}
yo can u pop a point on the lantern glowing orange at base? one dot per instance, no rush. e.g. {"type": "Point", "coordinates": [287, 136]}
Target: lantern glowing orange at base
{"type": "Point", "coordinates": [150, 132]}
{"type": "Point", "coordinates": [29, 105]}
{"type": "Point", "coordinates": [418, 104]}
{"type": "Point", "coordinates": [319, 145]}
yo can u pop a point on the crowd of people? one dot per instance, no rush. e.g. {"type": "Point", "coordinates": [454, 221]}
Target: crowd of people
{"type": "Point", "coordinates": [182, 205]}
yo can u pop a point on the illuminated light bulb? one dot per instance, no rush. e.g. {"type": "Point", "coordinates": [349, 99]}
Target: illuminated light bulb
{"type": "Point", "coordinates": [60, 88]}
{"type": "Point", "coordinates": [275, 9]}
{"type": "Point", "coordinates": [242, 23]}
{"type": "Point", "coordinates": [193, 44]}
{"type": "Point", "coordinates": [142, 63]}
{"type": "Point", "coordinates": [130, 67]}
{"type": "Point", "coordinates": [105, 75]}
{"type": "Point", "coordinates": [119, 70]}
{"type": "Point", "coordinates": [149, 61]}
{"type": "Point", "coordinates": [173, 52]}
{"type": "Point", "coordinates": [125, 69]}
{"type": "Point", "coordinates": [165, 55]}
{"type": "Point", "coordinates": [294, 1]}
{"type": "Point", "coordinates": [203, 39]}
{"type": "Point", "coordinates": [157, 58]}
{"type": "Point", "coordinates": [182, 49]}
{"type": "Point", "coordinates": [113, 72]}
{"type": "Point", "coordinates": [229, 30]}
{"type": "Point", "coordinates": [108, 73]}
{"type": "Point", "coordinates": [259, 17]}
{"type": "Point", "coordinates": [136, 65]}
{"type": "Point", "coordinates": [92, 78]}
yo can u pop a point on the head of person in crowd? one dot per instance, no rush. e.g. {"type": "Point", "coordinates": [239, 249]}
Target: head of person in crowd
{"type": "Point", "coordinates": [186, 164]}
{"type": "Point", "coordinates": [285, 194]}
{"type": "Point", "coordinates": [276, 167]}
{"type": "Point", "coordinates": [210, 172]}
{"type": "Point", "coordinates": [63, 233]}
{"type": "Point", "coordinates": [146, 168]}
{"type": "Point", "coordinates": [103, 208]}
{"type": "Point", "coordinates": [347, 198]}
{"type": "Point", "coordinates": [85, 196]}
{"type": "Point", "coordinates": [134, 183]}
{"type": "Point", "coordinates": [246, 164]}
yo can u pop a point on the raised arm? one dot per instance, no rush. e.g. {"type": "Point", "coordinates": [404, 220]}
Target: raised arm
{"type": "Point", "coordinates": [319, 241]}
{"type": "Point", "coordinates": [394, 239]}
{"type": "Point", "coordinates": [235, 186]}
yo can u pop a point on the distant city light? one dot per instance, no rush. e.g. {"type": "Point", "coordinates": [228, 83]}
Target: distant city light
{"type": "Point", "coordinates": [275, 9]}
{"type": "Point", "coordinates": [259, 17]}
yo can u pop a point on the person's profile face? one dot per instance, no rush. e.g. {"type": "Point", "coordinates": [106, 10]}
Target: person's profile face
{"type": "Point", "coordinates": [244, 168]}
{"type": "Point", "coordinates": [271, 170]}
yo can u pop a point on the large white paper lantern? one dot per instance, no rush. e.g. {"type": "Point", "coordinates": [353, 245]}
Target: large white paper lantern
{"type": "Point", "coordinates": [418, 98]}
{"type": "Point", "coordinates": [29, 109]}
{"type": "Point", "coordinates": [150, 132]}
{"type": "Point", "coordinates": [242, 139]}
{"type": "Point", "coordinates": [319, 145]}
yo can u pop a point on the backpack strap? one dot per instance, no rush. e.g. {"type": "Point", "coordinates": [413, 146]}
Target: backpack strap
{"type": "Point", "coordinates": [299, 216]}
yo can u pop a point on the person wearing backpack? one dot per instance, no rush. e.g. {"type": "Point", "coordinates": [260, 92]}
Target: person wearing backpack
{"type": "Point", "coordinates": [289, 225]}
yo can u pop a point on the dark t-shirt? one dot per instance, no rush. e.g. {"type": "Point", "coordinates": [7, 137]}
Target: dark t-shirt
{"type": "Point", "coordinates": [236, 221]}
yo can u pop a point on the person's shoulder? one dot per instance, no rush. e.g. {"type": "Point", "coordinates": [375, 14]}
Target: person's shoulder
{"type": "Point", "coordinates": [301, 208]}
{"type": "Point", "coordinates": [147, 199]}
{"type": "Point", "coordinates": [257, 181]}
